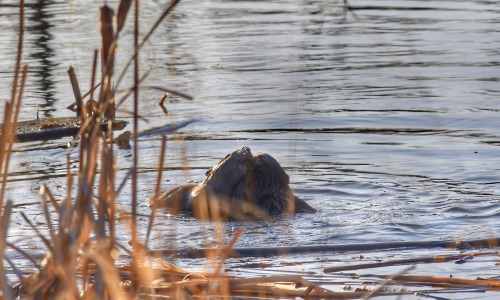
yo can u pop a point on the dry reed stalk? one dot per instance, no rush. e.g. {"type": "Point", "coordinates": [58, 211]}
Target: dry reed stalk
{"type": "Point", "coordinates": [226, 253]}
{"type": "Point", "coordinates": [77, 223]}
{"type": "Point", "coordinates": [92, 89]}
{"type": "Point", "coordinates": [24, 253]}
{"type": "Point", "coordinates": [107, 274]}
{"type": "Point", "coordinates": [102, 206]}
{"type": "Point", "coordinates": [12, 109]}
{"type": "Point", "coordinates": [111, 193]}
{"type": "Point", "coordinates": [158, 185]}
{"type": "Point", "coordinates": [15, 269]}
{"type": "Point", "coordinates": [4, 223]}
{"type": "Point", "coordinates": [6, 128]}
{"type": "Point", "coordinates": [92, 79]}
{"type": "Point", "coordinates": [47, 193]}
{"type": "Point", "coordinates": [80, 107]}
{"type": "Point", "coordinates": [221, 287]}
{"type": "Point", "coordinates": [72, 246]}
{"type": "Point", "coordinates": [8, 133]}
{"type": "Point", "coordinates": [121, 15]}
{"type": "Point", "coordinates": [64, 211]}
{"type": "Point", "coordinates": [107, 40]}
{"type": "Point", "coordinates": [71, 251]}
{"type": "Point", "coordinates": [19, 100]}
{"type": "Point", "coordinates": [135, 160]}
{"type": "Point", "coordinates": [39, 234]}
{"type": "Point", "coordinates": [108, 47]}
{"type": "Point", "coordinates": [56, 276]}
{"type": "Point", "coordinates": [46, 213]}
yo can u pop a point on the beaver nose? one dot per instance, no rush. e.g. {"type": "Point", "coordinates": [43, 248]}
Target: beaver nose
{"type": "Point", "coordinates": [246, 151]}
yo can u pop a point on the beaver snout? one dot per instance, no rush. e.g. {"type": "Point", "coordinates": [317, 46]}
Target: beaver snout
{"type": "Point", "coordinates": [245, 152]}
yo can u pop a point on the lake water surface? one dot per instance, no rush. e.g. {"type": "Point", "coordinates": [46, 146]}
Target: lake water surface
{"type": "Point", "coordinates": [386, 117]}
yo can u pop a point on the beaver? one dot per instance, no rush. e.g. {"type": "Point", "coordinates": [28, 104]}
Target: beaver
{"type": "Point", "coordinates": [271, 188]}
{"type": "Point", "coordinates": [224, 187]}
{"type": "Point", "coordinates": [239, 186]}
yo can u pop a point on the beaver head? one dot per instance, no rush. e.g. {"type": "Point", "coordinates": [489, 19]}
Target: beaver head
{"type": "Point", "coordinates": [224, 191]}
{"type": "Point", "coordinates": [227, 177]}
{"type": "Point", "coordinates": [271, 190]}
{"type": "Point", "coordinates": [270, 185]}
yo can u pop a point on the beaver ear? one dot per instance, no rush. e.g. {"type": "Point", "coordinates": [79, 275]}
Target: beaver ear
{"type": "Point", "coordinates": [208, 172]}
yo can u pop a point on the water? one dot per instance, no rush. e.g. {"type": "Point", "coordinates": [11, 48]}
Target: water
{"type": "Point", "coordinates": [385, 117]}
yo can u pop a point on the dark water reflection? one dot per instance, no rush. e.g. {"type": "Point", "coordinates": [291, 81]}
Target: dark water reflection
{"type": "Point", "coordinates": [385, 116]}
{"type": "Point", "coordinates": [43, 56]}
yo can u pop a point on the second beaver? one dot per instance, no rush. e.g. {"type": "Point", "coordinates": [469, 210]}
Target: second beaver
{"type": "Point", "coordinates": [271, 188]}
{"type": "Point", "coordinates": [239, 186]}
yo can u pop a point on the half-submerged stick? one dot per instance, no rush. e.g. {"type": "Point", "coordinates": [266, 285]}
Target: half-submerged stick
{"type": "Point", "coordinates": [396, 262]}
{"type": "Point", "coordinates": [493, 284]}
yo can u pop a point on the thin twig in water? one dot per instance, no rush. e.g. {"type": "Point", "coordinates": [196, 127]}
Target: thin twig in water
{"type": "Point", "coordinates": [386, 281]}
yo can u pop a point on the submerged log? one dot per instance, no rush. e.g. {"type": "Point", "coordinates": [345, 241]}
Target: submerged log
{"type": "Point", "coordinates": [284, 250]}
{"type": "Point", "coordinates": [55, 128]}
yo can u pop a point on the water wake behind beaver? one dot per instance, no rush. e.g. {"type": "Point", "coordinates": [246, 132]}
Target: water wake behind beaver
{"type": "Point", "coordinates": [240, 186]}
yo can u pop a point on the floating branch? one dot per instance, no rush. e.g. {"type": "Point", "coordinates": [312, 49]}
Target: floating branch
{"type": "Point", "coordinates": [55, 128]}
